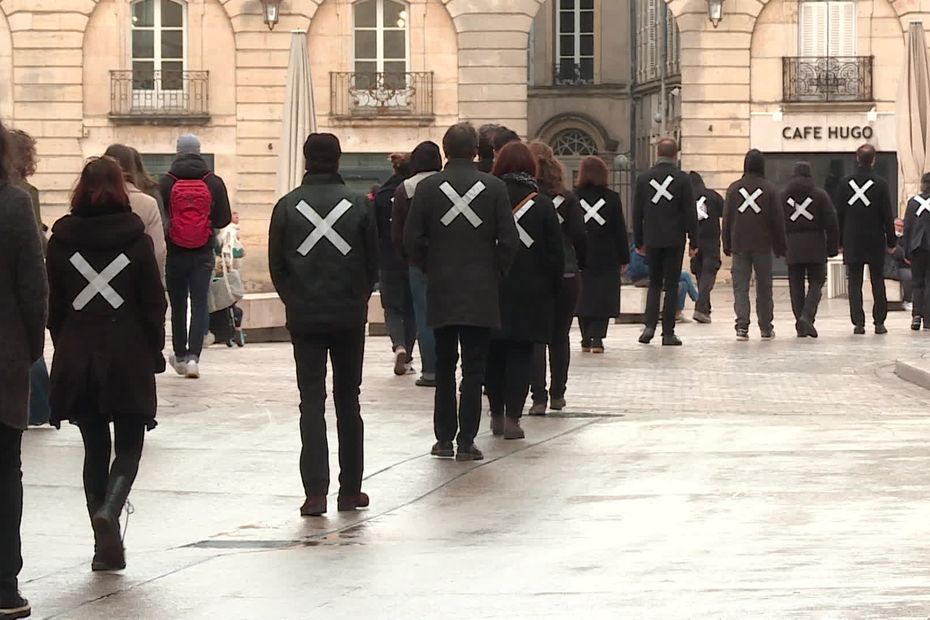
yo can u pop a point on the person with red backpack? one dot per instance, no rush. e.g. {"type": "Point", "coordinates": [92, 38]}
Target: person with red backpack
{"type": "Point", "coordinates": [197, 205]}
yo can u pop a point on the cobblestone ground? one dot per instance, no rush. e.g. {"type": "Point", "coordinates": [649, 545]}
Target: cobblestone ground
{"type": "Point", "coordinates": [721, 480]}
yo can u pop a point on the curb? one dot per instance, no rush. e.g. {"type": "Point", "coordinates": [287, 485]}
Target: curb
{"type": "Point", "coordinates": [916, 371]}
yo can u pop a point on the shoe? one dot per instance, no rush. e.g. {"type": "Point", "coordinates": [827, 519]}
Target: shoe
{"type": "Point", "coordinates": [409, 369]}
{"type": "Point", "coordinates": [769, 335]}
{"type": "Point", "coordinates": [497, 424]}
{"type": "Point", "coordinates": [586, 346]}
{"type": "Point", "coordinates": [671, 340]}
{"type": "Point", "coordinates": [443, 450]}
{"type": "Point", "coordinates": [239, 338]}
{"type": "Point", "coordinates": [400, 361]}
{"type": "Point", "coordinates": [881, 330]}
{"type": "Point", "coordinates": [349, 503]}
{"type": "Point", "coordinates": [106, 523]}
{"type": "Point", "coordinates": [597, 346]}
{"type": "Point", "coordinates": [805, 328]}
{"type": "Point", "coordinates": [209, 340]}
{"type": "Point", "coordinates": [700, 317]}
{"type": "Point", "coordinates": [801, 331]}
{"type": "Point", "coordinates": [469, 453]}
{"type": "Point", "coordinates": [180, 366]}
{"type": "Point", "coordinates": [13, 606]}
{"type": "Point", "coordinates": [915, 323]}
{"type": "Point", "coordinates": [742, 334]}
{"type": "Point", "coordinates": [424, 382]}
{"type": "Point", "coordinates": [859, 330]}
{"type": "Point", "coordinates": [315, 506]}
{"type": "Point", "coordinates": [648, 334]}
{"type": "Point", "coordinates": [192, 370]}
{"type": "Point", "coordinates": [538, 409]}
{"type": "Point", "coordinates": [681, 318]}
{"type": "Point", "coordinates": [557, 404]}
{"type": "Point", "coordinates": [512, 428]}
{"type": "Point", "coordinates": [99, 563]}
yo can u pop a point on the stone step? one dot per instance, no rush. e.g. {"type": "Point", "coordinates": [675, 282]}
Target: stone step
{"type": "Point", "coordinates": [915, 370]}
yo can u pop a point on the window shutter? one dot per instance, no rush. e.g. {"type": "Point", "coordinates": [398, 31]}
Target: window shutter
{"type": "Point", "coordinates": [842, 29]}
{"type": "Point", "coordinates": [652, 27]}
{"type": "Point", "coordinates": [812, 29]}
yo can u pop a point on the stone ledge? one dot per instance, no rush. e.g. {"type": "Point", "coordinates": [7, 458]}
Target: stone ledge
{"type": "Point", "coordinates": [914, 370]}
{"type": "Point", "coordinates": [264, 318]}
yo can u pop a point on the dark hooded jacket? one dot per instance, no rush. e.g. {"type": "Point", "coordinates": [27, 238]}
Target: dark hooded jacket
{"type": "Point", "coordinates": [866, 226]}
{"type": "Point", "coordinates": [391, 260]}
{"type": "Point", "coordinates": [660, 221]}
{"type": "Point", "coordinates": [108, 345]}
{"type": "Point", "coordinates": [744, 229]}
{"type": "Point", "coordinates": [195, 167]}
{"type": "Point", "coordinates": [810, 220]}
{"type": "Point", "coordinates": [708, 237]}
{"type": "Point", "coordinates": [607, 251]}
{"type": "Point", "coordinates": [916, 226]}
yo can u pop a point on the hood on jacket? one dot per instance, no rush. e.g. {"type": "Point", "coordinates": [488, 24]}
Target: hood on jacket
{"type": "Point", "coordinates": [754, 163]}
{"type": "Point", "coordinates": [102, 232]}
{"type": "Point", "coordinates": [189, 166]}
{"type": "Point", "coordinates": [802, 179]}
{"type": "Point", "coordinates": [697, 182]}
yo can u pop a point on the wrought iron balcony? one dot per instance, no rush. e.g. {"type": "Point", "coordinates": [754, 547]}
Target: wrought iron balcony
{"type": "Point", "coordinates": [826, 79]}
{"type": "Point", "coordinates": [160, 97]}
{"type": "Point", "coordinates": [567, 73]}
{"type": "Point", "coordinates": [382, 95]}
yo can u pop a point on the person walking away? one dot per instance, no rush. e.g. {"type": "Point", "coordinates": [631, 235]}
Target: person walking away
{"type": "Point", "coordinates": [663, 216]}
{"type": "Point", "coordinates": [142, 204]}
{"type": "Point", "coordinates": [812, 234]}
{"type": "Point", "coordinates": [23, 311]}
{"type": "Point", "coordinates": [486, 135]}
{"type": "Point", "coordinates": [323, 254]}
{"type": "Point", "coordinates": [917, 250]}
{"type": "Point", "coordinates": [460, 231]}
{"type": "Point", "coordinates": [528, 292]}
{"type": "Point", "coordinates": [197, 205]}
{"type": "Point", "coordinates": [866, 219]}
{"type": "Point", "coordinates": [107, 322]}
{"type": "Point", "coordinates": [753, 228]}
{"type": "Point", "coordinates": [706, 262]}
{"type": "Point", "coordinates": [425, 161]}
{"type": "Point", "coordinates": [396, 298]}
{"type": "Point", "coordinates": [608, 251]}
{"type": "Point", "coordinates": [550, 175]}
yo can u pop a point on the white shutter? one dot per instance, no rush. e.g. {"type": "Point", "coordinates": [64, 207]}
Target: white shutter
{"type": "Point", "coordinates": [842, 29]}
{"type": "Point", "coordinates": [652, 27]}
{"type": "Point", "coordinates": [812, 29]}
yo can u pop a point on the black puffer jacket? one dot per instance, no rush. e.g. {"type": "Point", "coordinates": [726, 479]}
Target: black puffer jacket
{"type": "Point", "coordinates": [810, 220]}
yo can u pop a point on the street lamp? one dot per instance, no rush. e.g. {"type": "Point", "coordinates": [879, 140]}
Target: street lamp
{"type": "Point", "coordinates": [715, 12]}
{"type": "Point", "coordinates": [270, 10]}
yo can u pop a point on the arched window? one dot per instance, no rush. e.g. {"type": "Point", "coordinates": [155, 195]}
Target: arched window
{"type": "Point", "coordinates": [381, 43]}
{"type": "Point", "coordinates": [574, 143]}
{"type": "Point", "coordinates": [158, 45]}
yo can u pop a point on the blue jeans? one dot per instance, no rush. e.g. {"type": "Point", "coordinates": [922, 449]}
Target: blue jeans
{"type": "Point", "coordinates": [39, 411]}
{"type": "Point", "coordinates": [425, 336]}
{"type": "Point", "coordinates": [686, 288]}
{"type": "Point", "coordinates": [188, 275]}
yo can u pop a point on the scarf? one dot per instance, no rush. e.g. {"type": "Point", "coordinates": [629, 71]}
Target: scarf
{"type": "Point", "coordinates": [522, 178]}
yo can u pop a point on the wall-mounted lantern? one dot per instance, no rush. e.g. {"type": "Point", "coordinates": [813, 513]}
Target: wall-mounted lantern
{"type": "Point", "coordinates": [715, 12]}
{"type": "Point", "coordinates": [271, 12]}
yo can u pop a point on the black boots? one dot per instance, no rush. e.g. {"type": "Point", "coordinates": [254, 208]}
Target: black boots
{"type": "Point", "coordinates": [648, 334]}
{"type": "Point", "coordinates": [109, 553]}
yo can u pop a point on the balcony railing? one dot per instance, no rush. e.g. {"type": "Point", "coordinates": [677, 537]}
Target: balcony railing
{"type": "Point", "coordinates": [567, 73]}
{"type": "Point", "coordinates": [160, 96]}
{"type": "Point", "coordinates": [826, 79]}
{"type": "Point", "coordinates": [382, 95]}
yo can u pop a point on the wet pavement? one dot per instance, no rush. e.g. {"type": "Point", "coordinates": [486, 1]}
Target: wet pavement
{"type": "Point", "coordinates": [720, 480]}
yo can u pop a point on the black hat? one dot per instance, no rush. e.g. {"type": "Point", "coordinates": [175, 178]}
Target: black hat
{"type": "Point", "coordinates": [322, 152]}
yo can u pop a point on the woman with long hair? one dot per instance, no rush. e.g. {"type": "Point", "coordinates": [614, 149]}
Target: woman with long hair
{"type": "Point", "coordinates": [527, 293]}
{"type": "Point", "coordinates": [608, 251]}
{"type": "Point", "coordinates": [107, 321]}
{"type": "Point", "coordinates": [550, 174]}
{"type": "Point", "coordinates": [148, 184]}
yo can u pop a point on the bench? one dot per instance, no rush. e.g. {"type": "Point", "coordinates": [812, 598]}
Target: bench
{"type": "Point", "coordinates": [264, 318]}
{"type": "Point", "coordinates": [632, 304]}
{"type": "Point", "coordinates": [837, 285]}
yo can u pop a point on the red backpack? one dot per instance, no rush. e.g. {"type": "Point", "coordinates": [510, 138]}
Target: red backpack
{"type": "Point", "coordinates": [189, 205]}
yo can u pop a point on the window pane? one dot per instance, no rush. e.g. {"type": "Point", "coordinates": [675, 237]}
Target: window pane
{"type": "Point", "coordinates": [365, 74]}
{"type": "Point", "coordinates": [587, 5]}
{"type": "Point", "coordinates": [143, 76]}
{"type": "Point", "coordinates": [366, 15]}
{"type": "Point", "coordinates": [587, 21]}
{"type": "Point", "coordinates": [172, 14]}
{"type": "Point", "coordinates": [587, 69]}
{"type": "Point", "coordinates": [395, 14]}
{"type": "Point", "coordinates": [567, 22]}
{"type": "Point", "coordinates": [172, 44]}
{"type": "Point", "coordinates": [567, 46]}
{"type": "Point", "coordinates": [143, 44]}
{"type": "Point", "coordinates": [366, 44]}
{"type": "Point", "coordinates": [172, 76]}
{"type": "Point", "coordinates": [587, 45]}
{"type": "Point", "coordinates": [395, 44]}
{"type": "Point", "coordinates": [143, 14]}
{"type": "Point", "coordinates": [567, 4]}
{"type": "Point", "coordinates": [396, 68]}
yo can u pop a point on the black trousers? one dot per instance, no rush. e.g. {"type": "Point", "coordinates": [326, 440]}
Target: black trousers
{"type": "Point", "coordinates": [880, 304]}
{"type": "Point", "coordinates": [397, 301]}
{"type": "Point", "coordinates": [559, 346]}
{"type": "Point", "coordinates": [920, 268]}
{"type": "Point", "coordinates": [474, 342]}
{"type": "Point", "coordinates": [126, 443]}
{"type": "Point", "coordinates": [664, 273]}
{"type": "Point", "coordinates": [806, 283]}
{"type": "Point", "coordinates": [510, 369]}
{"type": "Point", "coordinates": [593, 329]}
{"type": "Point", "coordinates": [346, 351]}
{"type": "Point", "coordinates": [11, 508]}
{"type": "Point", "coordinates": [705, 270]}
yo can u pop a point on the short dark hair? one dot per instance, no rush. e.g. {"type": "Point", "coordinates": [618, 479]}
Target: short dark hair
{"type": "Point", "coordinates": [925, 183]}
{"type": "Point", "coordinates": [865, 155]}
{"type": "Point", "coordinates": [101, 186]}
{"type": "Point", "coordinates": [502, 137]}
{"type": "Point", "coordinates": [593, 172]}
{"type": "Point", "coordinates": [513, 158]}
{"type": "Point", "coordinates": [667, 147]}
{"type": "Point", "coordinates": [460, 141]}
{"type": "Point", "coordinates": [486, 140]}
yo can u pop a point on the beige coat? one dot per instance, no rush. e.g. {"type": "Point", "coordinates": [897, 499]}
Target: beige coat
{"type": "Point", "coordinates": [146, 208]}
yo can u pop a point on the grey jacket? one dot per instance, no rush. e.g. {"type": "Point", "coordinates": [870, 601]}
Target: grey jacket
{"type": "Point", "coordinates": [23, 303]}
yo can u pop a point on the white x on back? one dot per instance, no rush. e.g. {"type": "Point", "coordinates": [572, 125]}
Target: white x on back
{"type": "Point", "coordinates": [924, 204]}
{"type": "Point", "coordinates": [661, 190]}
{"type": "Point", "coordinates": [558, 201]}
{"type": "Point", "coordinates": [461, 205]}
{"type": "Point", "coordinates": [749, 200]}
{"type": "Point", "coordinates": [524, 236]}
{"type": "Point", "coordinates": [859, 192]}
{"type": "Point", "coordinates": [98, 283]}
{"type": "Point", "coordinates": [593, 213]}
{"type": "Point", "coordinates": [324, 227]}
{"type": "Point", "coordinates": [702, 209]}
{"type": "Point", "coordinates": [800, 209]}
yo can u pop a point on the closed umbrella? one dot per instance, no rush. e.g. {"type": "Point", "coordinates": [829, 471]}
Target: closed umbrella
{"type": "Point", "coordinates": [913, 112]}
{"type": "Point", "coordinates": [299, 118]}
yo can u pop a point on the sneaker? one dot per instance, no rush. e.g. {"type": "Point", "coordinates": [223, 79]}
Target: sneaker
{"type": "Point", "coordinates": [768, 335]}
{"type": "Point", "coordinates": [538, 409]}
{"type": "Point", "coordinates": [702, 318]}
{"type": "Point", "coordinates": [192, 370]}
{"type": "Point", "coordinates": [881, 330]}
{"type": "Point", "coordinates": [314, 506]}
{"type": "Point", "coordinates": [209, 340]}
{"type": "Point", "coordinates": [425, 382]}
{"type": "Point", "coordinates": [469, 453]}
{"type": "Point", "coordinates": [557, 404]}
{"type": "Point", "coordinates": [180, 366]}
{"type": "Point", "coordinates": [400, 361]}
{"type": "Point", "coordinates": [497, 424]}
{"type": "Point", "coordinates": [13, 606]}
{"type": "Point", "coordinates": [915, 323]}
{"type": "Point", "coordinates": [409, 369]}
{"type": "Point", "coordinates": [671, 340]}
{"type": "Point", "coordinates": [443, 450]}
{"type": "Point", "coordinates": [648, 334]}
{"type": "Point", "coordinates": [349, 503]}
{"type": "Point", "coordinates": [742, 334]}
{"type": "Point", "coordinates": [512, 429]}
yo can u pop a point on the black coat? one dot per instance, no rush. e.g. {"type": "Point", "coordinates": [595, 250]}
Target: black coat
{"type": "Point", "coordinates": [810, 241]}
{"type": "Point", "coordinates": [464, 263]}
{"type": "Point", "coordinates": [747, 231]}
{"type": "Point", "coordinates": [608, 251]}
{"type": "Point", "coordinates": [574, 232]}
{"type": "Point", "coordinates": [916, 227]}
{"type": "Point", "coordinates": [106, 357]}
{"type": "Point", "coordinates": [865, 231]}
{"type": "Point", "coordinates": [529, 289]}
{"type": "Point", "coordinates": [660, 221]}
{"type": "Point", "coordinates": [321, 287]}
{"type": "Point", "coordinates": [187, 167]}
{"type": "Point", "coordinates": [391, 261]}
{"type": "Point", "coordinates": [708, 208]}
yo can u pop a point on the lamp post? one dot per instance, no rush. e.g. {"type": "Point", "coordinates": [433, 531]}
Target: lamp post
{"type": "Point", "coordinates": [715, 12]}
{"type": "Point", "coordinates": [270, 11]}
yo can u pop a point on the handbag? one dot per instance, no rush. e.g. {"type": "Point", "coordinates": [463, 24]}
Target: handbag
{"type": "Point", "coordinates": [226, 290]}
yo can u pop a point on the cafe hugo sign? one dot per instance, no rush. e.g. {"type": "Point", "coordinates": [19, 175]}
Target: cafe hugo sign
{"type": "Point", "coordinates": [811, 133]}
{"type": "Point", "coordinates": [834, 132]}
